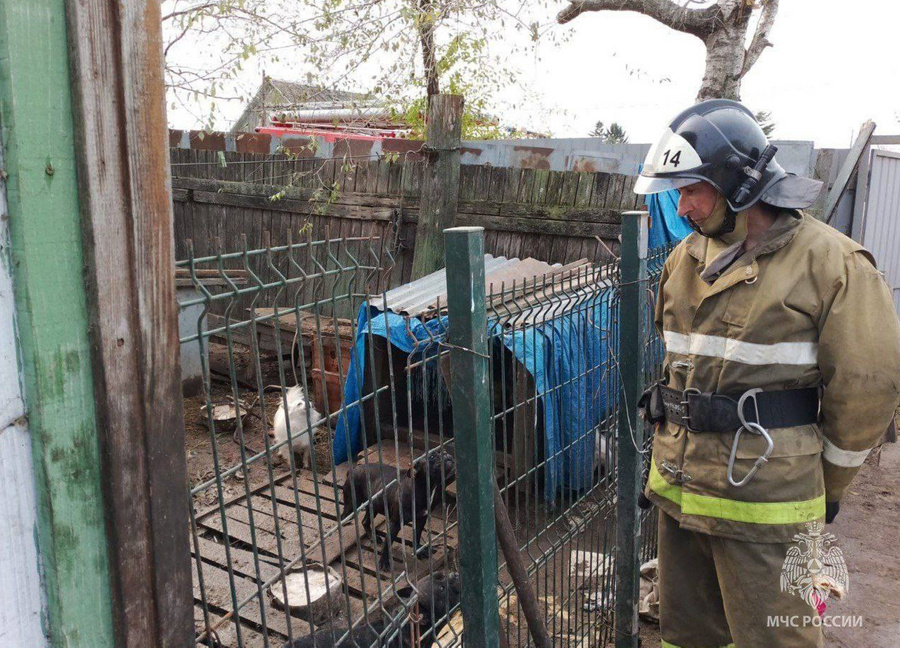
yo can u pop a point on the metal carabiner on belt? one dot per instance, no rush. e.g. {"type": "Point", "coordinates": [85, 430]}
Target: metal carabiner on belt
{"type": "Point", "coordinates": [755, 428]}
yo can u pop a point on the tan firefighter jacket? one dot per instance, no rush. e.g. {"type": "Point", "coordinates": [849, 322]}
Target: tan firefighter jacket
{"type": "Point", "coordinates": [806, 307]}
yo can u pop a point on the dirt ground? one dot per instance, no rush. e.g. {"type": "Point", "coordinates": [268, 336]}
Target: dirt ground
{"type": "Point", "coordinates": [867, 530]}
{"type": "Point", "coordinates": [201, 459]}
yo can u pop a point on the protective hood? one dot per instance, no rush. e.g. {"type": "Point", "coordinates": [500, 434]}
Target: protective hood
{"type": "Point", "coordinates": [792, 192]}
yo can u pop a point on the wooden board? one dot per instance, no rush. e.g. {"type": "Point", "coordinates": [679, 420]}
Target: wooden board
{"type": "Point", "coordinates": [845, 175]}
{"type": "Point", "coordinates": [314, 500]}
{"type": "Point", "coordinates": [121, 279]}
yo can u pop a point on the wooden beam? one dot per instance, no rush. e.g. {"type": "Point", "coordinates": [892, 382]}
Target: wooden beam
{"type": "Point", "coordinates": [361, 211]}
{"type": "Point", "coordinates": [845, 175]}
{"type": "Point", "coordinates": [535, 226]}
{"type": "Point", "coordinates": [266, 191]}
{"type": "Point", "coordinates": [126, 228]}
{"type": "Point", "coordinates": [546, 212]}
{"type": "Point", "coordinates": [356, 206]}
{"type": "Point", "coordinates": [440, 182]}
{"type": "Point", "coordinates": [47, 264]}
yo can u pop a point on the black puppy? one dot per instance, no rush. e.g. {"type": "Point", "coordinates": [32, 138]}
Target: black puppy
{"type": "Point", "coordinates": [438, 595]}
{"type": "Point", "coordinates": [408, 500]}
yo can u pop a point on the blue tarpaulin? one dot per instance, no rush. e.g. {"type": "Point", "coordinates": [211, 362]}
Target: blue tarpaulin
{"type": "Point", "coordinates": [407, 334]}
{"type": "Point", "coordinates": [567, 356]}
{"type": "Point", "coordinates": [666, 226]}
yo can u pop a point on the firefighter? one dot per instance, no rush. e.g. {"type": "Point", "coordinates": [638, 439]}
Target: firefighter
{"type": "Point", "coordinates": [782, 371]}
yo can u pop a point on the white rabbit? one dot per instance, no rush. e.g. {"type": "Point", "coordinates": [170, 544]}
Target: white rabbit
{"type": "Point", "coordinates": [301, 414]}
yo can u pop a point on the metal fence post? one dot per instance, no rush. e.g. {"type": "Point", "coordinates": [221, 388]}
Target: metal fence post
{"type": "Point", "coordinates": [630, 436]}
{"type": "Point", "coordinates": [470, 395]}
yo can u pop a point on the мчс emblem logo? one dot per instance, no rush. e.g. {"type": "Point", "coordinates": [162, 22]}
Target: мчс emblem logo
{"type": "Point", "coordinates": [814, 568]}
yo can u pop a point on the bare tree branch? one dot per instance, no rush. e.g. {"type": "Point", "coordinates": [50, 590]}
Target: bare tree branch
{"type": "Point", "coordinates": [760, 39]}
{"type": "Point", "coordinates": [189, 10]}
{"type": "Point", "coordinates": [177, 38]}
{"type": "Point", "coordinates": [698, 22]}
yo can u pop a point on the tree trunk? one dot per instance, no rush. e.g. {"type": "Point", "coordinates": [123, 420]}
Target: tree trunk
{"type": "Point", "coordinates": [725, 58]}
{"type": "Point", "coordinates": [426, 36]}
{"type": "Point", "coordinates": [721, 26]}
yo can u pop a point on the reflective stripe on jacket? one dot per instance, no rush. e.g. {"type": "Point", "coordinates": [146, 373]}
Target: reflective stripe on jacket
{"type": "Point", "coordinates": [806, 307]}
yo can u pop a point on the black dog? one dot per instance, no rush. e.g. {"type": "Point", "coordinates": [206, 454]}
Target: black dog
{"type": "Point", "coordinates": [438, 595]}
{"type": "Point", "coordinates": [403, 502]}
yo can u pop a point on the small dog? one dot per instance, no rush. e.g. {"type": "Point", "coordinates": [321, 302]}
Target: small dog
{"type": "Point", "coordinates": [408, 500]}
{"type": "Point", "coordinates": [300, 413]}
{"type": "Point", "coordinates": [438, 595]}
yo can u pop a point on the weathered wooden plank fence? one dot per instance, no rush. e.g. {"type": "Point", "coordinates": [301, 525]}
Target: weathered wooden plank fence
{"type": "Point", "coordinates": [553, 216]}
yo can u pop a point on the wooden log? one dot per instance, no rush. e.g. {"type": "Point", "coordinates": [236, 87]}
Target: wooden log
{"type": "Point", "coordinates": [312, 592]}
{"type": "Point", "coordinates": [509, 544]}
{"type": "Point", "coordinates": [440, 182]}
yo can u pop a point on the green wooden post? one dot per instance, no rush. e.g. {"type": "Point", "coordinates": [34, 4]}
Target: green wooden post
{"type": "Point", "coordinates": [630, 436]}
{"type": "Point", "coordinates": [52, 313]}
{"type": "Point", "coordinates": [470, 395]}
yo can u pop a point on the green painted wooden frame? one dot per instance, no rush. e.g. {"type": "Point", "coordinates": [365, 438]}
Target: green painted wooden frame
{"type": "Point", "coordinates": [51, 304]}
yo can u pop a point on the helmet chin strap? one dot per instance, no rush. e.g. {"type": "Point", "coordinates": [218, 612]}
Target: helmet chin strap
{"type": "Point", "coordinates": [728, 224]}
{"type": "Point", "coordinates": [721, 220]}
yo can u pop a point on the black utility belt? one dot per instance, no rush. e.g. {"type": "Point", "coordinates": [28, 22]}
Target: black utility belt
{"type": "Point", "coordinates": [710, 412]}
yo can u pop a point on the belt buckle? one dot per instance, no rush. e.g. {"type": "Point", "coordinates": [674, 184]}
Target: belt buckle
{"type": "Point", "coordinates": [685, 404]}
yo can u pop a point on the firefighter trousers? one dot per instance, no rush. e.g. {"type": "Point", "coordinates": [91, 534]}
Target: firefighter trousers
{"type": "Point", "coordinates": [717, 592]}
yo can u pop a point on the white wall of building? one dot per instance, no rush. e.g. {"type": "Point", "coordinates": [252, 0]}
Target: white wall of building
{"type": "Point", "coordinates": [21, 594]}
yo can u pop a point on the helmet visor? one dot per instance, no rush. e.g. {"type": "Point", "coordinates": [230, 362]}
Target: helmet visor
{"type": "Point", "coordinates": [649, 185]}
{"type": "Point", "coordinates": [672, 155]}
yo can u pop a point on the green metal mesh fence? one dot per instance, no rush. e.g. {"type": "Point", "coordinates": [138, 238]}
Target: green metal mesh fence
{"type": "Point", "coordinates": [283, 548]}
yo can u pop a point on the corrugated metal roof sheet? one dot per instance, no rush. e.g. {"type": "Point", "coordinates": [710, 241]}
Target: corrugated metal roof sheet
{"type": "Point", "coordinates": [420, 295]}
{"type": "Point", "coordinates": [424, 294]}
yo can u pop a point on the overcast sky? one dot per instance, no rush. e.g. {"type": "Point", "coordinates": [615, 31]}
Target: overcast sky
{"type": "Point", "coordinates": [834, 64]}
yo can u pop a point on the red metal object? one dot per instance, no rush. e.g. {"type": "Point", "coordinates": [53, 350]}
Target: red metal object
{"type": "Point", "coordinates": [329, 134]}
